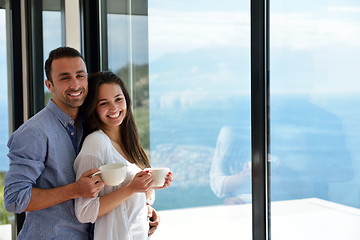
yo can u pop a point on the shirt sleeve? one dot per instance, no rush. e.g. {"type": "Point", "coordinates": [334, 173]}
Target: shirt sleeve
{"type": "Point", "coordinates": [87, 209]}
{"type": "Point", "coordinates": [27, 151]}
{"type": "Point", "coordinates": [218, 179]}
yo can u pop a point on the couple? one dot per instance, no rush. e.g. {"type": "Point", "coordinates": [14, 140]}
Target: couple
{"type": "Point", "coordinates": [41, 179]}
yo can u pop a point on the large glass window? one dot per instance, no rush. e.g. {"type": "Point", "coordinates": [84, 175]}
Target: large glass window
{"type": "Point", "coordinates": [53, 36]}
{"type": "Point", "coordinates": [200, 116]}
{"type": "Point", "coordinates": [3, 92]}
{"type": "Point", "coordinates": [5, 217]}
{"type": "Point", "coordinates": [314, 124]}
{"type": "Point", "coordinates": [127, 42]}
{"type": "Point", "coordinates": [187, 67]}
{"type": "Point", "coordinates": [45, 22]}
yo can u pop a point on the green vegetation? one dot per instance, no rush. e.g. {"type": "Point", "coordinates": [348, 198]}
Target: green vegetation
{"type": "Point", "coordinates": [4, 215]}
{"type": "Point", "coordinates": [139, 90]}
{"type": "Point", "coordinates": [143, 124]}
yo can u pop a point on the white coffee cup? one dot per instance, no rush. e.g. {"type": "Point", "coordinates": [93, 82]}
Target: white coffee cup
{"type": "Point", "coordinates": [112, 174]}
{"type": "Point", "coordinates": [159, 175]}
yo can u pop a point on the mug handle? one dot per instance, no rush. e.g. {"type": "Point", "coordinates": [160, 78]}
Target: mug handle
{"type": "Point", "coordinates": [94, 174]}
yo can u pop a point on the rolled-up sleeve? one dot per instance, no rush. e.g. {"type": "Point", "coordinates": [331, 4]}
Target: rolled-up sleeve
{"type": "Point", "coordinates": [26, 165]}
{"type": "Point", "coordinates": [86, 209]}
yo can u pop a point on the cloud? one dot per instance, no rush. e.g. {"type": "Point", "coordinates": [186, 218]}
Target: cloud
{"type": "Point", "coordinates": [344, 9]}
{"type": "Point", "coordinates": [172, 31]}
{"type": "Point", "coordinates": [309, 32]}
{"type": "Point", "coordinates": [185, 99]}
{"type": "Point", "coordinates": [196, 97]}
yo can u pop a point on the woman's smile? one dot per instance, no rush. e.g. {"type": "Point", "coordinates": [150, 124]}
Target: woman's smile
{"type": "Point", "coordinates": [115, 115]}
{"type": "Point", "coordinates": [111, 107]}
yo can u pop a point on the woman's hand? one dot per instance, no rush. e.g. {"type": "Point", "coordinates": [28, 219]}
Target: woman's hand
{"type": "Point", "coordinates": [168, 181]}
{"type": "Point", "coordinates": [142, 182]}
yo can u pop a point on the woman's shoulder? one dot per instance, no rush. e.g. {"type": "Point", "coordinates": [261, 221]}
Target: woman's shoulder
{"type": "Point", "coordinates": [98, 136]}
{"type": "Point", "coordinates": [95, 141]}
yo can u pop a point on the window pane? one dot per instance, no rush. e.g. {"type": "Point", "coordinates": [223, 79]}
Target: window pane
{"type": "Point", "coordinates": [128, 56]}
{"type": "Point", "coordinates": [5, 217]}
{"type": "Point", "coordinates": [314, 120]}
{"type": "Point", "coordinates": [200, 116]}
{"type": "Point", "coordinates": [52, 32]}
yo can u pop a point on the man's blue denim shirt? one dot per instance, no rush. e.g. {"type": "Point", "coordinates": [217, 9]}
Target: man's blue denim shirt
{"type": "Point", "coordinates": [41, 155]}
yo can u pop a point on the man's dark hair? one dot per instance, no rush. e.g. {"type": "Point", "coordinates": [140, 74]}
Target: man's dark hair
{"type": "Point", "coordinates": [61, 52]}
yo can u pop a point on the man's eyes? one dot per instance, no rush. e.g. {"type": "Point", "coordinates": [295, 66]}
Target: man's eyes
{"type": "Point", "coordinates": [68, 77]}
{"type": "Point", "coordinates": [64, 78]}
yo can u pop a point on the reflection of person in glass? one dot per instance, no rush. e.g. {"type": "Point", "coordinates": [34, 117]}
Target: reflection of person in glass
{"type": "Point", "coordinates": [308, 151]}
{"type": "Point", "coordinates": [230, 170]}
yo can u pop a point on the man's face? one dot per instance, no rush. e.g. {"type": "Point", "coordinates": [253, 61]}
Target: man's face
{"type": "Point", "coordinates": [69, 83]}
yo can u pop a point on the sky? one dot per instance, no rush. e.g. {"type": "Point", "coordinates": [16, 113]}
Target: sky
{"type": "Point", "coordinates": [312, 44]}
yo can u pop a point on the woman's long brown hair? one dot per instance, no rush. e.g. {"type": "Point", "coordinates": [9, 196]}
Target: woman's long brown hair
{"type": "Point", "coordinates": [130, 141]}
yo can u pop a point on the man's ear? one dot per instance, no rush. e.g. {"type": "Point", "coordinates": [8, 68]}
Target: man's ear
{"type": "Point", "coordinates": [49, 85]}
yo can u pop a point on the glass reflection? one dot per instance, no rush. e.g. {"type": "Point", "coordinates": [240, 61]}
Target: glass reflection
{"type": "Point", "coordinates": [313, 124]}
{"type": "Point", "coordinates": [199, 83]}
{"type": "Point", "coordinates": [200, 116]}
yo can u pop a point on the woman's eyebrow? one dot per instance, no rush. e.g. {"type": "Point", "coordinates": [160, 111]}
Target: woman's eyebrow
{"type": "Point", "coordinates": [104, 99]}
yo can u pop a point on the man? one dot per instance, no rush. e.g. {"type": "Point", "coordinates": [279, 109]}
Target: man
{"type": "Point", "coordinates": [41, 180]}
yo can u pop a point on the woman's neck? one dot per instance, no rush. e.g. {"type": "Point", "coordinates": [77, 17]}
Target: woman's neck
{"type": "Point", "coordinates": [113, 134]}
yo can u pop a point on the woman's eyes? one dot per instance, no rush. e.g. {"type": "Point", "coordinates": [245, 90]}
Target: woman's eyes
{"type": "Point", "coordinates": [119, 99]}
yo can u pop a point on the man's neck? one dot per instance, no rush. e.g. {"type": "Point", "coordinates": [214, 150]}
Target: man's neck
{"type": "Point", "coordinates": [72, 112]}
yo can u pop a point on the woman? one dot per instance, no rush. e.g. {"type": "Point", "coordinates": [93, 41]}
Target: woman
{"type": "Point", "coordinates": [119, 212]}
{"type": "Point", "coordinates": [230, 174]}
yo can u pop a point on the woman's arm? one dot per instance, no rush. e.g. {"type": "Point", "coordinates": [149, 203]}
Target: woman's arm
{"type": "Point", "coordinates": [141, 182]}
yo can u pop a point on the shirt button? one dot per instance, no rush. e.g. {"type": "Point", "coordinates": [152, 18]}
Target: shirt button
{"type": "Point", "coordinates": [72, 133]}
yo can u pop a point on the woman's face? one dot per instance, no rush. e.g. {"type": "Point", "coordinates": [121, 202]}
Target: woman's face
{"type": "Point", "coordinates": [111, 104]}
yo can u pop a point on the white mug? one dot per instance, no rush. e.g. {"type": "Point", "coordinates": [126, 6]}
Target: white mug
{"type": "Point", "coordinates": [158, 175]}
{"type": "Point", "coordinates": [112, 174]}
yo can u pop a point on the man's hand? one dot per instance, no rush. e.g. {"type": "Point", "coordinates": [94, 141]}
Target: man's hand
{"type": "Point", "coordinates": [89, 186]}
{"type": "Point", "coordinates": [154, 220]}
{"type": "Point", "coordinates": [85, 186]}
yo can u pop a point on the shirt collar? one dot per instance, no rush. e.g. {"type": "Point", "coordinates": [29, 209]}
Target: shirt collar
{"type": "Point", "coordinates": [60, 114]}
